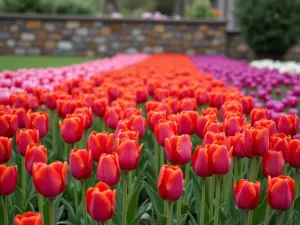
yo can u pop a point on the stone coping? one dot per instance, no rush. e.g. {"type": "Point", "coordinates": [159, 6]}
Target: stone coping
{"type": "Point", "coordinates": [36, 16]}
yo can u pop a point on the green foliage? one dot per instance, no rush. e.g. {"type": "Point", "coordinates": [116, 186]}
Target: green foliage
{"type": "Point", "coordinates": [165, 7]}
{"type": "Point", "coordinates": [200, 9]}
{"type": "Point", "coordinates": [269, 26]}
{"type": "Point", "coordinates": [48, 6]}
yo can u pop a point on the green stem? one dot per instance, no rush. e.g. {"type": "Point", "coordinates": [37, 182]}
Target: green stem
{"type": "Point", "coordinates": [217, 208]}
{"type": "Point", "coordinates": [65, 155]}
{"type": "Point", "coordinates": [211, 196]}
{"type": "Point", "coordinates": [178, 212]}
{"type": "Point", "coordinates": [156, 155]}
{"type": "Point", "coordinates": [186, 181]}
{"type": "Point", "coordinates": [278, 218]}
{"type": "Point", "coordinates": [40, 203]}
{"type": "Point", "coordinates": [246, 217]}
{"type": "Point", "coordinates": [124, 213]}
{"type": "Point", "coordinates": [256, 168]}
{"type": "Point", "coordinates": [252, 169]}
{"type": "Point", "coordinates": [202, 202]}
{"type": "Point", "coordinates": [236, 168]}
{"type": "Point", "coordinates": [51, 212]}
{"type": "Point", "coordinates": [130, 179]}
{"type": "Point", "coordinates": [54, 129]}
{"type": "Point", "coordinates": [84, 203]}
{"type": "Point", "coordinates": [228, 196]}
{"type": "Point", "coordinates": [24, 185]}
{"type": "Point", "coordinates": [162, 156]}
{"type": "Point", "coordinates": [5, 213]}
{"type": "Point", "coordinates": [267, 215]}
{"type": "Point", "coordinates": [75, 194]}
{"type": "Point", "coordinates": [169, 218]}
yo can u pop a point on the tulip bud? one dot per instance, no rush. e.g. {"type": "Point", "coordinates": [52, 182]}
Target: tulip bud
{"type": "Point", "coordinates": [293, 154]}
{"type": "Point", "coordinates": [26, 137]}
{"type": "Point", "coordinates": [154, 117]}
{"type": "Point", "coordinates": [130, 112]}
{"type": "Point", "coordinates": [233, 123]}
{"type": "Point", "coordinates": [160, 94]}
{"type": "Point", "coordinates": [108, 170]}
{"type": "Point", "coordinates": [8, 179]}
{"type": "Point", "coordinates": [112, 116]}
{"type": "Point", "coordinates": [8, 124]}
{"type": "Point", "coordinates": [50, 180]}
{"type": "Point", "coordinates": [19, 100]}
{"type": "Point", "coordinates": [281, 192]}
{"type": "Point", "coordinates": [165, 129]}
{"type": "Point", "coordinates": [288, 124]}
{"type": "Point", "coordinates": [187, 122]}
{"type": "Point", "coordinates": [39, 121]}
{"type": "Point", "coordinates": [33, 103]}
{"type": "Point", "coordinates": [138, 123]}
{"type": "Point", "coordinates": [100, 106]}
{"type": "Point", "coordinates": [141, 94]}
{"type": "Point", "coordinates": [257, 114]}
{"type": "Point", "coordinates": [201, 96]}
{"type": "Point", "coordinates": [201, 124]}
{"type": "Point", "coordinates": [87, 112]}
{"type": "Point", "coordinates": [23, 117]}
{"type": "Point", "coordinates": [5, 149]}
{"type": "Point", "coordinates": [200, 162]}
{"type": "Point", "coordinates": [72, 128]}
{"type": "Point", "coordinates": [211, 137]}
{"type": "Point", "coordinates": [216, 99]}
{"type": "Point", "coordinates": [101, 195]}
{"type": "Point", "coordinates": [65, 107]}
{"type": "Point", "coordinates": [29, 218]}
{"type": "Point", "coordinates": [81, 163]}
{"type": "Point", "coordinates": [127, 134]}
{"type": "Point", "coordinates": [170, 183]}
{"type": "Point", "coordinates": [280, 142]}
{"type": "Point", "coordinates": [210, 111]}
{"type": "Point", "coordinates": [246, 194]}
{"type": "Point", "coordinates": [172, 103]}
{"type": "Point", "coordinates": [248, 103]}
{"type": "Point", "coordinates": [237, 143]}
{"type": "Point", "coordinates": [99, 143]}
{"type": "Point", "coordinates": [256, 141]}
{"type": "Point", "coordinates": [272, 163]}
{"type": "Point", "coordinates": [213, 126]}
{"type": "Point", "coordinates": [129, 153]}
{"type": "Point", "coordinates": [35, 153]}
{"type": "Point", "coordinates": [270, 124]}
{"type": "Point", "coordinates": [178, 149]}
{"type": "Point", "coordinates": [188, 104]}
{"type": "Point", "coordinates": [51, 98]}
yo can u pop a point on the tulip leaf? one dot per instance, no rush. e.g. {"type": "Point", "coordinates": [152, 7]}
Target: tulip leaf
{"type": "Point", "coordinates": [259, 212]}
{"type": "Point", "coordinates": [58, 212]}
{"type": "Point", "coordinates": [118, 215]}
{"type": "Point", "coordinates": [197, 193]}
{"type": "Point", "coordinates": [184, 218]}
{"type": "Point", "coordinates": [192, 219]}
{"type": "Point", "coordinates": [142, 210]}
{"type": "Point", "coordinates": [297, 204]}
{"type": "Point", "coordinates": [133, 202]}
{"type": "Point", "coordinates": [71, 214]}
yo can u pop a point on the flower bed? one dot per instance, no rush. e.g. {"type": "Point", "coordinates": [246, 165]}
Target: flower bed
{"type": "Point", "coordinates": [138, 144]}
{"type": "Point", "coordinates": [283, 67]}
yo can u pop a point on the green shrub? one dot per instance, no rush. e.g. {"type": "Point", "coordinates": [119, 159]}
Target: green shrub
{"type": "Point", "coordinates": [200, 9]}
{"type": "Point", "coordinates": [269, 26]}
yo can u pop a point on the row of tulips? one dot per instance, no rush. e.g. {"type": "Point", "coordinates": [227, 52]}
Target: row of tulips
{"type": "Point", "coordinates": [203, 137]}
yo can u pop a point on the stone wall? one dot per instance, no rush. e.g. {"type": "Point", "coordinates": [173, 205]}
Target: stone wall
{"type": "Point", "coordinates": [91, 36]}
{"type": "Point", "coordinates": [237, 48]}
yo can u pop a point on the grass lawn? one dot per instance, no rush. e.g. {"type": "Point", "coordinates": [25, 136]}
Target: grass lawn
{"type": "Point", "coordinates": [17, 62]}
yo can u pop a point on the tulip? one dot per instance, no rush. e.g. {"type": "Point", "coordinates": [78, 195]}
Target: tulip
{"type": "Point", "coordinates": [270, 124]}
{"type": "Point", "coordinates": [129, 153]}
{"type": "Point", "coordinates": [19, 100]}
{"type": "Point", "coordinates": [39, 121]}
{"type": "Point", "coordinates": [257, 114]}
{"type": "Point", "coordinates": [213, 126]}
{"type": "Point", "coordinates": [187, 122]}
{"type": "Point", "coordinates": [26, 137]}
{"type": "Point", "coordinates": [280, 142]}
{"type": "Point", "coordinates": [172, 103]}
{"type": "Point", "coordinates": [35, 153]}
{"type": "Point", "coordinates": [230, 107]}
{"type": "Point", "coordinates": [23, 117]}
{"type": "Point", "coordinates": [237, 143]}
{"type": "Point", "coordinates": [154, 117]}
{"type": "Point", "coordinates": [247, 103]}
{"type": "Point", "coordinates": [108, 170]}
{"type": "Point", "coordinates": [178, 149]}
{"type": "Point", "coordinates": [99, 143]}
{"type": "Point", "coordinates": [200, 162]}
{"type": "Point", "coordinates": [33, 103]}
{"type": "Point", "coordinates": [165, 129]}
{"type": "Point", "coordinates": [272, 163]}
{"type": "Point", "coordinates": [8, 124]}
{"type": "Point", "coordinates": [141, 94]}
{"type": "Point", "coordinates": [5, 149]}
{"type": "Point", "coordinates": [127, 134]}
{"type": "Point", "coordinates": [160, 94]}
{"type": "Point", "coordinates": [170, 183]}
{"type": "Point", "coordinates": [51, 98]}
{"type": "Point", "coordinates": [280, 192]}
{"type": "Point", "coordinates": [113, 91]}
{"type": "Point", "coordinates": [87, 112]}
{"type": "Point", "coordinates": [100, 106]}
{"type": "Point", "coordinates": [246, 194]}
{"type": "Point", "coordinates": [65, 107]}
{"type": "Point", "coordinates": [130, 112]}
{"type": "Point", "coordinates": [201, 124]}
{"type": "Point", "coordinates": [288, 124]}
{"type": "Point", "coordinates": [201, 96]}
{"type": "Point", "coordinates": [29, 218]}
{"type": "Point", "coordinates": [256, 141]}
{"type": "Point", "coordinates": [100, 195]}
{"type": "Point", "coordinates": [216, 99]}
{"type": "Point", "coordinates": [112, 116]}
{"type": "Point", "coordinates": [8, 179]}
{"type": "Point", "coordinates": [81, 163]}
{"type": "Point", "coordinates": [233, 123]}
{"type": "Point", "coordinates": [50, 180]}
{"type": "Point", "coordinates": [75, 124]}
{"type": "Point", "coordinates": [211, 137]}
{"type": "Point", "coordinates": [293, 154]}
{"type": "Point", "coordinates": [210, 111]}
{"type": "Point", "coordinates": [188, 104]}
{"type": "Point", "coordinates": [138, 123]}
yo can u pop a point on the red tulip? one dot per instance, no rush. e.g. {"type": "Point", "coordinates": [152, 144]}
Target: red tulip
{"type": "Point", "coordinates": [230, 107]}
{"type": "Point", "coordinates": [26, 137]}
{"type": "Point", "coordinates": [173, 104]}
{"type": "Point", "coordinates": [272, 163]}
{"type": "Point", "coordinates": [112, 116]}
{"type": "Point", "coordinates": [8, 124]}
{"type": "Point", "coordinates": [154, 117]}
{"type": "Point", "coordinates": [280, 142]}
{"type": "Point", "coordinates": [248, 103]}
{"type": "Point", "coordinates": [219, 158]}
{"type": "Point", "coordinates": [256, 141]}
{"type": "Point", "coordinates": [211, 137]}
{"type": "Point", "coordinates": [293, 154]}
{"type": "Point", "coordinates": [5, 149]}
{"type": "Point", "coordinates": [51, 98]}
{"type": "Point", "coordinates": [108, 170]}
{"type": "Point", "coordinates": [127, 134]}
{"type": "Point", "coordinates": [81, 163]}
{"type": "Point", "coordinates": [50, 180]}
{"type": "Point", "coordinates": [188, 104]}
{"type": "Point", "coordinates": [187, 121]}
{"type": "Point", "coordinates": [99, 143]}
{"type": "Point", "coordinates": [257, 114]}
{"type": "Point", "coordinates": [160, 94]}
{"type": "Point", "coordinates": [246, 194]}
{"type": "Point", "coordinates": [288, 124]}
{"type": "Point", "coordinates": [138, 123]}
{"type": "Point", "coordinates": [281, 192]}
{"type": "Point", "coordinates": [8, 179]}
{"type": "Point", "coordinates": [170, 183]}
{"type": "Point", "coordinates": [201, 96]}
{"type": "Point", "coordinates": [35, 153]}
{"type": "Point", "coordinates": [23, 117]}
{"type": "Point", "coordinates": [101, 195]}
{"type": "Point", "coordinates": [29, 218]}
{"type": "Point", "coordinates": [201, 124]}
{"type": "Point", "coordinates": [129, 153]}
{"type": "Point", "coordinates": [19, 100]}
{"type": "Point", "coordinates": [237, 143]}
{"type": "Point", "coordinates": [210, 111]}
{"type": "Point", "coordinates": [213, 126]}
{"type": "Point", "coordinates": [164, 129]}
{"type": "Point", "coordinates": [33, 103]}
{"type": "Point", "coordinates": [216, 99]}
{"type": "Point", "coordinates": [200, 162]}
{"type": "Point", "coordinates": [39, 121]}
{"type": "Point", "coordinates": [233, 123]}
{"type": "Point", "coordinates": [100, 106]}
{"type": "Point", "coordinates": [270, 124]}
{"type": "Point", "coordinates": [141, 94]}
{"type": "Point", "coordinates": [65, 107]}
{"type": "Point", "coordinates": [178, 149]}
{"type": "Point", "coordinates": [87, 112]}
{"type": "Point", "coordinates": [75, 124]}
{"type": "Point", "coordinates": [130, 112]}
{"type": "Point", "coordinates": [113, 91]}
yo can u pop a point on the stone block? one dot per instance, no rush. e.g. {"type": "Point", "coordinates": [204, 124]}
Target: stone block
{"type": "Point", "coordinates": [41, 35]}
{"type": "Point", "coordinates": [49, 27]}
{"type": "Point", "coordinates": [33, 24]}
{"type": "Point", "coordinates": [4, 35]}
{"type": "Point", "coordinates": [10, 43]}
{"type": "Point", "coordinates": [100, 40]}
{"type": "Point", "coordinates": [105, 31]}
{"type": "Point", "coordinates": [159, 28]}
{"type": "Point", "coordinates": [26, 36]}
{"type": "Point", "coordinates": [82, 32]}
{"type": "Point", "coordinates": [34, 51]}
{"type": "Point", "coordinates": [14, 28]}
{"type": "Point", "coordinates": [73, 24]}
{"type": "Point", "coordinates": [20, 51]}
{"type": "Point", "coordinates": [65, 45]}
{"type": "Point", "coordinates": [102, 48]}
{"type": "Point", "coordinates": [158, 49]}
{"type": "Point", "coordinates": [50, 45]}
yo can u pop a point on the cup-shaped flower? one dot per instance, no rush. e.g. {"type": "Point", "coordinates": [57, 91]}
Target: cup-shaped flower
{"type": "Point", "coordinates": [5, 149]}
{"type": "Point", "coordinates": [35, 153]}
{"type": "Point", "coordinates": [8, 179]}
{"type": "Point", "coordinates": [8, 124]}
{"type": "Point", "coordinates": [29, 218]}
{"type": "Point", "coordinates": [26, 137]}
{"type": "Point", "coordinates": [39, 121]}
{"type": "Point", "coordinates": [200, 162]}
{"type": "Point", "coordinates": [165, 129]}
{"type": "Point", "coordinates": [81, 163]}
{"type": "Point", "coordinates": [108, 170]}
{"type": "Point", "coordinates": [272, 163]}
{"type": "Point", "coordinates": [288, 124]}
{"type": "Point", "coordinates": [72, 128]}
{"type": "Point", "coordinates": [246, 194]}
